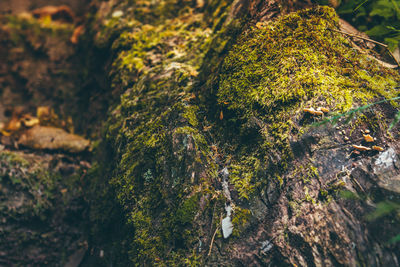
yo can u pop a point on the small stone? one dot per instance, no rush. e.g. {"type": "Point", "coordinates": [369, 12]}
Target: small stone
{"type": "Point", "coordinates": [117, 14]}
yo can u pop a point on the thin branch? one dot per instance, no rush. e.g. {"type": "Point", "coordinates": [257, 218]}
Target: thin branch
{"type": "Point", "coordinates": [360, 37]}
{"type": "Point", "coordinates": [395, 59]}
{"type": "Point", "coordinates": [212, 242]}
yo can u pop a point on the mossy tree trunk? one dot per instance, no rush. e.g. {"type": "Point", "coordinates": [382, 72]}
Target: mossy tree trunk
{"type": "Point", "coordinates": [210, 127]}
{"type": "Point", "coordinates": [212, 117]}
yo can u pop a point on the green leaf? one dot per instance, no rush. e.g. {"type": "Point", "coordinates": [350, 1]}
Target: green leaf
{"type": "Point", "coordinates": [395, 239]}
{"type": "Point", "coordinates": [382, 209]}
{"type": "Point", "coordinates": [395, 120]}
{"type": "Point", "coordinates": [383, 8]}
{"type": "Point", "coordinates": [392, 42]}
{"type": "Point", "coordinates": [378, 31]}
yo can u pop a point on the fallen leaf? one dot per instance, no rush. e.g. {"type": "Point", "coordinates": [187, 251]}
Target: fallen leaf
{"type": "Point", "coordinates": [313, 111]}
{"type": "Point", "coordinates": [324, 110]}
{"type": "Point", "coordinates": [43, 112]}
{"type": "Point", "coordinates": [29, 121]}
{"type": "Point", "coordinates": [377, 148]}
{"type": "Point", "coordinates": [60, 13]}
{"type": "Point", "coordinates": [76, 34]}
{"type": "Point", "coordinates": [51, 138]}
{"type": "Point", "coordinates": [361, 148]}
{"type": "Point", "coordinates": [368, 138]}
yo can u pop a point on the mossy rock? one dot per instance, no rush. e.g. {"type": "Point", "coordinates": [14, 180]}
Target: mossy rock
{"type": "Point", "coordinates": [41, 210]}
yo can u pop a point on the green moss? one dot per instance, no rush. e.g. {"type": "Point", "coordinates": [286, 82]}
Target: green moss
{"type": "Point", "coordinates": [154, 132]}
{"type": "Point", "coordinates": [240, 220]}
{"type": "Point", "coordinates": [170, 74]}
{"type": "Point", "coordinates": [188, 210]}
{"type": "Point", "coordinates": [305, 173]}
{"type": "Point", "coordinates": [278, 68]}
{"type": "Point", "coordinates": [242, 176]}
{"type": "Point", "coordinates": [308, 197]}
{"type": "Point", "coordinates": [22, 26]}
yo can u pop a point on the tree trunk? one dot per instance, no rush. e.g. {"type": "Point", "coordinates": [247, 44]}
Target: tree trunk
{"type": "Point", "coordinates": [246, 133]}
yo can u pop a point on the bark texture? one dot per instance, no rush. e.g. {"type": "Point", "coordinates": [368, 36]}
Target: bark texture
{"type": "Point", "coordinates": [211, 126]}
{"type": "Point", "coordinates": [212, 116]}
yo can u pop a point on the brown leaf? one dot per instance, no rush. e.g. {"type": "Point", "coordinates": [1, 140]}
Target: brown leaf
{"type": "Point", "coordinates": [60, 13]}
{"type": "Point", "coordinates": [51, 138]}
{"type": "Point", "coordinates": [76, 34]}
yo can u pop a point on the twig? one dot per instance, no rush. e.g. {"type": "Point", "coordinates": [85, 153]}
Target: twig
{"type": "Point", "coordinates": [395, 59]}
{"type": "Point", "coordinates": [372, 41]}
{"type": "Point", "coordinates": [212, 242]}
{"type": "Point", "coordinates": [358, 184]}
{"type": "Point", "coordinates": [360, 37]}
{"type": "Point", "coordinates": [212, 239]}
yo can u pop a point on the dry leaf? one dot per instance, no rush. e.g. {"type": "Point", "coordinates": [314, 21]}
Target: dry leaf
{"type": "Point", "coordinates": [313, 111]}
{"type": "Point", "coordinates": [377, 148]}
{"type": "Point", "coordinates": [368, 138]}
{"type": "Point", "coordinates": [361, 148]}
{"type": "Point", "coordinates": [76, 34]}
{"type": "Point", "coordinates": [51, 138]}
{"type": "Point", "coordinates": [61, 13]}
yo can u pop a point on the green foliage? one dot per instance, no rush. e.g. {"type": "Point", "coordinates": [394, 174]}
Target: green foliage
{"type": "Point", "coordinates": [380, 19]}
{"type": "Point", "coordinates": [348, 115]}
{"type": "Point", "coordinates": [395, 239]}
{"type": "Point", "coordinates": [384, 208]}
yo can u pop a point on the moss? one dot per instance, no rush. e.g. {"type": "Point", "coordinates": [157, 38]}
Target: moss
{"type": "Point", "coordinates": [240, 220]}
{"type": "Point", "coordinates": [154, 132]}
{"type": "Point", "coordinates": [305, 173]}
{"type": "Point", "coordinates": [308, 197]}
{"type": "Point", "coordinates": [36, 210]}
{"type": "Point", "coordinates": [20, 27]}
{"type": "Point", "coordinates": [243, 176]}
{"type": "Point", "coordinates": [185, 214]}
{"type": "Point", "coordinates": [169, 70]}
{"type": "Point", "coordinates": [278, 68]}
{"type": "Point", "coordinates": [295, 60]}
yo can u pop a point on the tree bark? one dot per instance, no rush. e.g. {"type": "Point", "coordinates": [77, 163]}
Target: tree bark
{"type": "Point", "coordinates": [233, 139]}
